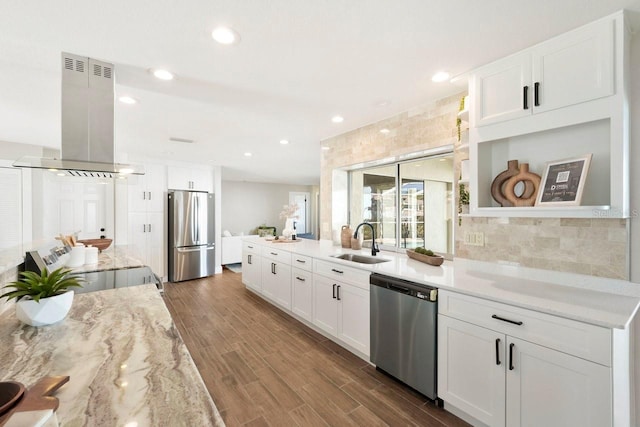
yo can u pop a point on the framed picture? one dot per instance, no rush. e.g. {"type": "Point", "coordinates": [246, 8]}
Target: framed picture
{"type": "Point", "coordinates": [563, 182]}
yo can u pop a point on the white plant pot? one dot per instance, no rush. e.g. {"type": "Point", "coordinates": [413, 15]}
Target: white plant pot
{"type": "Point", "coordinates": [45, 312]}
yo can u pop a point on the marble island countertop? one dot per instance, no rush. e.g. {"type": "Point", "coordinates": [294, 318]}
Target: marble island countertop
{"type": "Point", "coordinates": [127, 362]}
{"type": "Point", "coordinates": [603, 302]}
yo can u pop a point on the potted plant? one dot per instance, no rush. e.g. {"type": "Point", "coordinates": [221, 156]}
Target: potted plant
{"type": "Point", "coordinates": [463, 201]}
{"type": "Point", "coordinates": [43, 299]}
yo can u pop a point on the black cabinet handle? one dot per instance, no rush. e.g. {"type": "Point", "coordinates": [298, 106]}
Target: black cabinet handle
{"type": "Point", "coordinates": [498, 351]}
{"type": "Point", "coordinates": [301, 261]}
{"type": "Point", "coordinates": [273, 268]}
{"type": "Point", "coordinates": [274, 253]}
{"type": "Point", "coordinates": [334, 291]}
{"type": "Point", "coordinates": [337, 271]}
{"type": "Point", "coordinates": [536, 94]}
{"type": "Point", "coordinates": [515, 322]}
{"type": "Point", "coordinates": [511, 356]}
{"type": "Point", "coordinates": [250, 247]}
{"type": "Point", "coordinates": [338, 292]}
{"type": "Point", "coordinates": [525, 95]}
{"type": "Point", "coordinates": [300, 279]}
{"type": "Point", "coordinates": [249, 259]}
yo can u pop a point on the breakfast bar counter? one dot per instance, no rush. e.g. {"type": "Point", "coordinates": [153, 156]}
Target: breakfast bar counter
{"type": "Point", "coordinates": [127, 364]}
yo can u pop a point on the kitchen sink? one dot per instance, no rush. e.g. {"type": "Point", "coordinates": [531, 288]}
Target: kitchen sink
{"type": "Point", "coordinates": [361, 259]}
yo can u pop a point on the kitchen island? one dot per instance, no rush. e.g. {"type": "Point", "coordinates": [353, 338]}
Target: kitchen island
{"type": "Point", "coordinates": [127, 362]}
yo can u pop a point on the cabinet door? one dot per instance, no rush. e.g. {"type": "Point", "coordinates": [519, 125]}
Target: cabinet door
{"type": "Point", "coordinates": [497, 90]}
{"type": "Point", "coordinates": [353, 320]}
{"type": "Point", "coordinates": [269, 283]}
{"type": "Point", "coordinates": [282, 284]}
{"type": "Point", "coordinates": [156, 243]}
{"type": "Point", "coordinates": [471, 369]}
{"type": "Point", "coordinates": [156, 183]}
{"type": "Point", "coordinates": [178, 178]}
{"type": "Point", "coordinates": [251, 271]}
{"type": "Point", "coordinates": [325, 307]}
{"type": "Point", "coordinates": [138, 235]}
{"type": "Point", "coordinates": [137, 193]}
{"type": "Point", "coordinates": [549, 388]}
{"type": "Point", "coordinates": [202, 180]}
{"type": "Point", "coordinates": [302, 293]}
{"type": "Point", "coordinates": [575, 67]}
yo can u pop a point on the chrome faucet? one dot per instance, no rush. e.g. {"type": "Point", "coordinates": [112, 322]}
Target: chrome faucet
{"type": "Point", "coordinates": [374, 246]}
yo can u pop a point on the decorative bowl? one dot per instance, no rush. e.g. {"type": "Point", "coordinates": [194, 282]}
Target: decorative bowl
{"type": "Point", "coordinates": [101, 244]}
{"type": "Point", "coordinates": [427, 259]}
{"type": "Point", "coordinates": [10, 393]}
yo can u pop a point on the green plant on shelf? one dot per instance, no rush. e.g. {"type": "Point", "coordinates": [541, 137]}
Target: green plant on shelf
{"type": "Point", "coordinates": [463, 200]}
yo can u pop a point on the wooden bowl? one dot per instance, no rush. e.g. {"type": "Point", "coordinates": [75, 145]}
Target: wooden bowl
{"type": "Point", "coordinates": [431, 260]}
{"type": "Point", "coordinates": [101, 244]}
{"type": "Point", "coordinates": [10, 393]}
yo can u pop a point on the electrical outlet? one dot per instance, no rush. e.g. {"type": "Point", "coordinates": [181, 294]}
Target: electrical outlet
{"type": "Point", "coordinates": [474, 238]}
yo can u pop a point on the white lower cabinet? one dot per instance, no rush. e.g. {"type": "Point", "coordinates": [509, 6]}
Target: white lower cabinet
{"type": "Point", "coordinates": [502, 380]}
{"type": "Point", "coordinates": [251, 270]}
{"type": "Point", "coordinates": [147, 239]}
{"type": "Point", "coordinates": [276, 282]}
{"type": "Point", "coordinates": [325, 304]}
{"type": "Point", "coordinates": [302, 293]}
{"type": "Point", "coordinates": [342, 310]}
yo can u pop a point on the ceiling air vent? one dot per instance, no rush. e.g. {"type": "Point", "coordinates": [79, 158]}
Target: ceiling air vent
{"type": "Point", "coordinates": [106, 72]}
{"type": "Point", "coordinates": [97, 70]}
{"type": "Point", "coordinates": [68, 64]}
{"type": "Point", "coordinates": [80, 66]}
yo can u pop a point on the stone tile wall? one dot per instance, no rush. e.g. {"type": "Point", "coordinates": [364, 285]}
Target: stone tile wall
{"type": "Point", "coordinates": [597, 247]}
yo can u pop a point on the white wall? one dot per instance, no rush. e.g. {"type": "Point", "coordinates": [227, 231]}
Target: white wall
{"type": "Point", "coordinates": [246, 205]}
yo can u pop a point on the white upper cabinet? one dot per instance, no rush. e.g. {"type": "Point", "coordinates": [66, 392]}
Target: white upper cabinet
{"type": "Point", "coordinates": [498, 90]}
{"type": "Point", "coordinates": [193, 179]}
{"type": "Point", "coordinates": [574, 68]}
{"type": "Point", "coordinates": [569, 69]}
{"type": "Point", "coordinates": [147, 192]}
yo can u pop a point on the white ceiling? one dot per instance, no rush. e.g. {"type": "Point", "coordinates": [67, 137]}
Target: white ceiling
{"type": "Point", "coordinates": [299, 63]}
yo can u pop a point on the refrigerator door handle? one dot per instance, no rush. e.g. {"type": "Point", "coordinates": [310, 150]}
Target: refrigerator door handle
{"type": "Point", "coordinates": [198, 249]}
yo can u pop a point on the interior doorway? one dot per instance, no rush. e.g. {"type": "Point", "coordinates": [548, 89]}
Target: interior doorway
{"type": "Point", "coordinates": [302, 199]}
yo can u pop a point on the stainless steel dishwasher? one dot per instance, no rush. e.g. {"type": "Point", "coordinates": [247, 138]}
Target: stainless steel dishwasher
{"type": "Point", "coordinates": [403, 331]}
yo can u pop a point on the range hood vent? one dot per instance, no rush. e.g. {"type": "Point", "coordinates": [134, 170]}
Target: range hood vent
{"type": "Point", "coordinates": [88, 97]}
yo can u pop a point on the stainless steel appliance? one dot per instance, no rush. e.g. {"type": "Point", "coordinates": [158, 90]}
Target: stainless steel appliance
{"type": "Point", "coordinates": [118, 278]}
{"type": "Point", "coordinates": [403, 331]}
{"type": "Point", "coordinates": [191, 236]}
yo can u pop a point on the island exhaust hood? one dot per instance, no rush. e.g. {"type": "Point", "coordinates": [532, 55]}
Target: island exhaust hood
{"type": "Point", "coordinates": [88, 98]}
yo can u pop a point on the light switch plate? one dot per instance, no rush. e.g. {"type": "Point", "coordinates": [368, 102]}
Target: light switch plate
{"type": "Point", "coordinates": [474, 238]}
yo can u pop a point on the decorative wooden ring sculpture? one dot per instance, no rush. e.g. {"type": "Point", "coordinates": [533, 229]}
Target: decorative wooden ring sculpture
{"type": "Point", "coordinates": [497, 186]}
{"type": "Point", "coordinates": [526, 177]}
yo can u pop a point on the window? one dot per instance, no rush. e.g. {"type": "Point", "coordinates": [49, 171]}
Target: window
{"type": "Point", "coordinates": [420, 213]}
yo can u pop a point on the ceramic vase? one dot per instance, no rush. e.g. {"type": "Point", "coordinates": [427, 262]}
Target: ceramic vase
{"type": "Point", "coordinates": [47, 311]}
{"type": "Point", "coordinates": [288, 230]}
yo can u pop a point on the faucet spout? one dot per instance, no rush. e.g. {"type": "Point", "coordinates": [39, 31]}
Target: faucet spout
{"type": "Point", "coordinates": [374, 245]}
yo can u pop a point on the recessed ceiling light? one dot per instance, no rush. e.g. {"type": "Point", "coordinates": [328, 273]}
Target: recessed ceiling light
{"type": "Point", "coordinates": [127, 100]}
{"type": "Point", "coordinates": [440, 76]}
{"type": "Point", "coordinates": [225, 35]}
{"type": "Point", "coordinates": [337, 119]}
{"type": "Point", "coordinates": [163, 74]}
{"type": "Point", "coordinates": [247, 154]}
{"type": "Point", "coordinates": [385, 131]}
{"type": "Point", "coordinates": [284, 142]}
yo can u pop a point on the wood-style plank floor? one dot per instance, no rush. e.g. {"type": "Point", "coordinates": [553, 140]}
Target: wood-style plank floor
{"type": "Point", "coordinates": [265, 368]}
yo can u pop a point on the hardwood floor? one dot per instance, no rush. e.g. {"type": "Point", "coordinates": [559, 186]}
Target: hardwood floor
{"type": "Point", "coordinates": [264, 368]}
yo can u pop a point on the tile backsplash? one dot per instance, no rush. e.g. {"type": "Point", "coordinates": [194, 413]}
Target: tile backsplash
{"type": "Point", "coordinates": [597, 247]}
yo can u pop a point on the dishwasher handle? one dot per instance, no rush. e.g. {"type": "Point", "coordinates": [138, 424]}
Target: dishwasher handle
{"type": "Point", "coordinates": [399, 288]}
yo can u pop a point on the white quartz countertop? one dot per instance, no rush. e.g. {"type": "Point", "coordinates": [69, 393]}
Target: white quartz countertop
{"type": "Point", "coordinates": [126, 361]}
{"type": "Point", "coordinates": [603, 302]}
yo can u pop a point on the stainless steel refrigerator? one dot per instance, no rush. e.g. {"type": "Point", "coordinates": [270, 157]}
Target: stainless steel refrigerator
{"type": "Point", "coordinates": [191, 237]}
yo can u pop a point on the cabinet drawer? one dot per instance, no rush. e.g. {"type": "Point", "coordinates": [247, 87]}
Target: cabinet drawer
{"type": "Point", "coordinates": [301, 261]}
{"type": "Point", "coordinates": [579, 339]}
{"type": "Point", "coordinates": [342, 273]}
{"type": "Point", "coordinates": [251, 247]}
{"type": "Point", "coordinates": [276, 254]}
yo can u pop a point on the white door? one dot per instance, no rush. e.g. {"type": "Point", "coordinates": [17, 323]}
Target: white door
{"type": "Point", "coordinates": [498, 90]}
{"type": "Point", "coordinates": [302, 200]}
{"type": "Point", "coordinates": [553, 389]}
{"type": "Point", "coordinates": [471, 369]}
{"type": "Point", "coordinates": [302, 293]}
{"type": "Point", "coordinates": [353, 320]}
{"type": "Point", "coordinates": [251, 271]}
{"type": "Point", "coordinates": [574, 68]}
{"type": "Point", "coordinates": [325, 307]}
{"type": "Point", "coordinates": [282, 284]}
